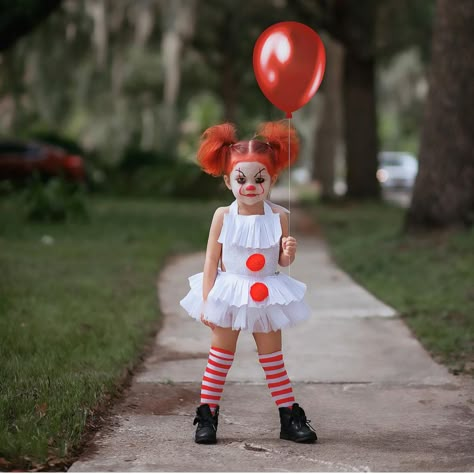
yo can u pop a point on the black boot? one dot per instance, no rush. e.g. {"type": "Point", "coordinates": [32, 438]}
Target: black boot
{"type": "Point", "coordinates": [295, 426]}
{"type": "Point", "coordinates": [207, 425]}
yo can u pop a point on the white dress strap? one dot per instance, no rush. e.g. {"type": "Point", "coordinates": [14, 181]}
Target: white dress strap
{"type": "Point", "coordinates": [234, 208]}
{"type": "Point", "coordinates": [278, 207]}
{"type": "Point", "coordinates": [267, 208]}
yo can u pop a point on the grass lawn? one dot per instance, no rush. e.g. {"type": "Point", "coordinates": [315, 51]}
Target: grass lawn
{"type": "Point", "coordinates": [77, 305]}
{"type": "Point", "coordinates": [428, 279]}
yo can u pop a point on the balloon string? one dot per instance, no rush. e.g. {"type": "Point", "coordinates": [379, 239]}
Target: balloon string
{"type": "Point", "coordinates": [289, 184]}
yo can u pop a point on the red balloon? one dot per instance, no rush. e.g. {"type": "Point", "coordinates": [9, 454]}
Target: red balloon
{"type": "Point", "coordinates": [289, 61]}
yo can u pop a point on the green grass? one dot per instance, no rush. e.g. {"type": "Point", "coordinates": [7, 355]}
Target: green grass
{"type": "Point", "coordinates": [428, 278]}
{"type": "Point", "coordinates": [76, 314]}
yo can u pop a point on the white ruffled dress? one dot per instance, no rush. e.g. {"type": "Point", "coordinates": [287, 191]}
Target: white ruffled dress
{"type": "Point", "coordinates": [232, 301]}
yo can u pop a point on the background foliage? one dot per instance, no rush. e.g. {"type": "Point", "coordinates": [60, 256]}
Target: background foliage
{"type": "Point", "coordinates": [94, 74]}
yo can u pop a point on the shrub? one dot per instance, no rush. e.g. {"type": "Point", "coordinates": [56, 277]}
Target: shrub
{"type": "Point", "coordinates": [55, 200]}
{"type": "Point", "coordinates": [55, 138]}
{"type": "Point", "coordinates": [151, 174]}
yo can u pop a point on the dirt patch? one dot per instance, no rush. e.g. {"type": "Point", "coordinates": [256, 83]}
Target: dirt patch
{"type": "Point", "coordinates": [162, 354]}
{"type": "Point", "coordinates": [159, 399]}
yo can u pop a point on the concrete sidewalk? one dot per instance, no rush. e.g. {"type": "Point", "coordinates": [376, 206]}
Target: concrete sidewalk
{"type": "Point", "coordinates": [376, 398]}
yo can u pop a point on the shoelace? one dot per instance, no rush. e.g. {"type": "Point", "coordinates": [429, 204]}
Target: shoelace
{"type": "Point", "coordinates": [207, 421]}
{"type": "Point", "coordinates": [204, 422]}
{"type": "Point", "coordinates": [301, 419]}
{"type": "Point", "coordinates": [308, 423]}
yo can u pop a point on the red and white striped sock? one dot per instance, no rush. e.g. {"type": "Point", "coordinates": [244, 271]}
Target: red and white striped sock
{"type": "Point", "coordinates": [218, 365]}
{"type": "Point", "coordinates": [277, 379]}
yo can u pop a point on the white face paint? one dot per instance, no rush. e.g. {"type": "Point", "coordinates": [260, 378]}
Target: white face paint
{"type": "Point", "coordinates": [250, 182]}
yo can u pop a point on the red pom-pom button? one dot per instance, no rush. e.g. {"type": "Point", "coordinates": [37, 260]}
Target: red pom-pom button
{"type": "Point", "coordinates": [255, 262]}
{"type": "Point", "coordinates": [259, 291]}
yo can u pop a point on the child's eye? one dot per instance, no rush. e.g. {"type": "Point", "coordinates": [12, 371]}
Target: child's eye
{"type": "Point", "coordinates": [241, 180]}
{"type": "Point", "coordinates": [259, 180]}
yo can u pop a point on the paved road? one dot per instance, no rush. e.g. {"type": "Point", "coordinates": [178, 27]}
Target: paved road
{"type": "Point", "coordinates": [400, 197]}
{"type": "Point", "coordinates": [377, 399]}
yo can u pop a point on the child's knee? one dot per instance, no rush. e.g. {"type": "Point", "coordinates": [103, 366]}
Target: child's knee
{"type": "Point", "coordinates": [225, 338]}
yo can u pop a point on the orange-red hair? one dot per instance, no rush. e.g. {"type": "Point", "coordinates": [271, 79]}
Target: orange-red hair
{"type": "Point", "coordinates": [276, 144]}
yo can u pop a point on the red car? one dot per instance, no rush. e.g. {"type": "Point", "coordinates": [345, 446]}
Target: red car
{"type": "Point", "coordinates": [19, 160]}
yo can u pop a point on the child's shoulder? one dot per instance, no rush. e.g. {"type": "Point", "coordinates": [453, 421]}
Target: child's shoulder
{"type": "Point", "coordinates": [277, 209]}
{"type": "Point", "coordinates": [220, 211]}
{"type": "Point", "coordinates": [219, 214]}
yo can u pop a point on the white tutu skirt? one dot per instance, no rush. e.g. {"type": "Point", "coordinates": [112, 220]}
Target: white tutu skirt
{"type": "Point", "coordinates": [229, 303]}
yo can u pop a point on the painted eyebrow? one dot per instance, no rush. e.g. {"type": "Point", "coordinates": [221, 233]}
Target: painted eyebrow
{"type": "Point", "coordinates": [260, 172]}
{"type": "Point", "coordinates": [241, 172]}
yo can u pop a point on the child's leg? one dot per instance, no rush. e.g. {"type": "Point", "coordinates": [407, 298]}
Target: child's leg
{"type": "Point", "coordinates": [294, 424]}
{"type": "Point", "coordinates": [221, 356]}
{"type": "Point", "coordinates": [271, 359]}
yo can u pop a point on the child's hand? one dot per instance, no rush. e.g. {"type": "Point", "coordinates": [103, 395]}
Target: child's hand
{"type": "Point", "coordinates": [289, 246]}
{"type": "Point", "coordinates": [207, 323]}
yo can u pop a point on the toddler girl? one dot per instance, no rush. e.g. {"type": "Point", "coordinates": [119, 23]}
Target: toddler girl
{"type": "Point", "coordinates": [241, 288]}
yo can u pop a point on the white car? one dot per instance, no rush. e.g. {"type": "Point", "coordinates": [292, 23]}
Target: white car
{"type": "Point", "coordinates": [397, 169]}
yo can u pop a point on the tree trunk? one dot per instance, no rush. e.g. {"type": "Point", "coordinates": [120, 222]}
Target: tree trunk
{"type": "Point", "coordinates": [20, 18]}
{"type": "Point", "coordinates": [97, 11]}
{"type": "Point", "coordinates": [229, 90]}
{"type": "Point", "coordinates": [444, 190]}
{"type": "Point", "coordinates": [179, 20]}
{"type": "Point", "coordinates": [360, 128]}
{"type": "Point", "coordinates": [329, 133]}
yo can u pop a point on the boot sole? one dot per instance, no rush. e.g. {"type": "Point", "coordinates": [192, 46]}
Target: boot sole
{"type": "Point", "coordinates": [307, 439]}
{"type": "Point", "coordinates": [206, 441]}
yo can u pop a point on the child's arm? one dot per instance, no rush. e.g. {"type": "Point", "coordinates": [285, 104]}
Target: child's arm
{"type": "Point", "coordinates": [213, 255]}
{"type": "Point", "coordinates": [288, 243]}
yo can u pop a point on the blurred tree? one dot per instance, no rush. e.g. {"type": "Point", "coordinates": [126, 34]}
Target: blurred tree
{"type": "Point", "coordinates": [35, 77]}
{"type": "Point", "coordinates": [444, 189]}
{"type": "Point", "coordinates": [370, 31]}
{"type": "Point", "coordinates": [402, 87]}
{"type": "Point", "coordinates": [329, 133]}
{"type": "Point", "coordinates": [18, 18]}
{"type": "Point", "coordinates": [178, 18]}
{"type": "Point", "coordinates": [225, 38]}
{"type": "Point", "coordinates": [99, 71]}
{"type": "Point", "coordinates": [352, 24]}
{"type": "Point", "coordinates": [91, 71]}
{"type": "Point", "coordinates": [403, 40]}
{"type": "Point", "coordinates": [401, 25]}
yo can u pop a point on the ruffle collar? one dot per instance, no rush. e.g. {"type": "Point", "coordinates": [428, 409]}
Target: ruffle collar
{"type": "Point", "coordinates": [257, 231]}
